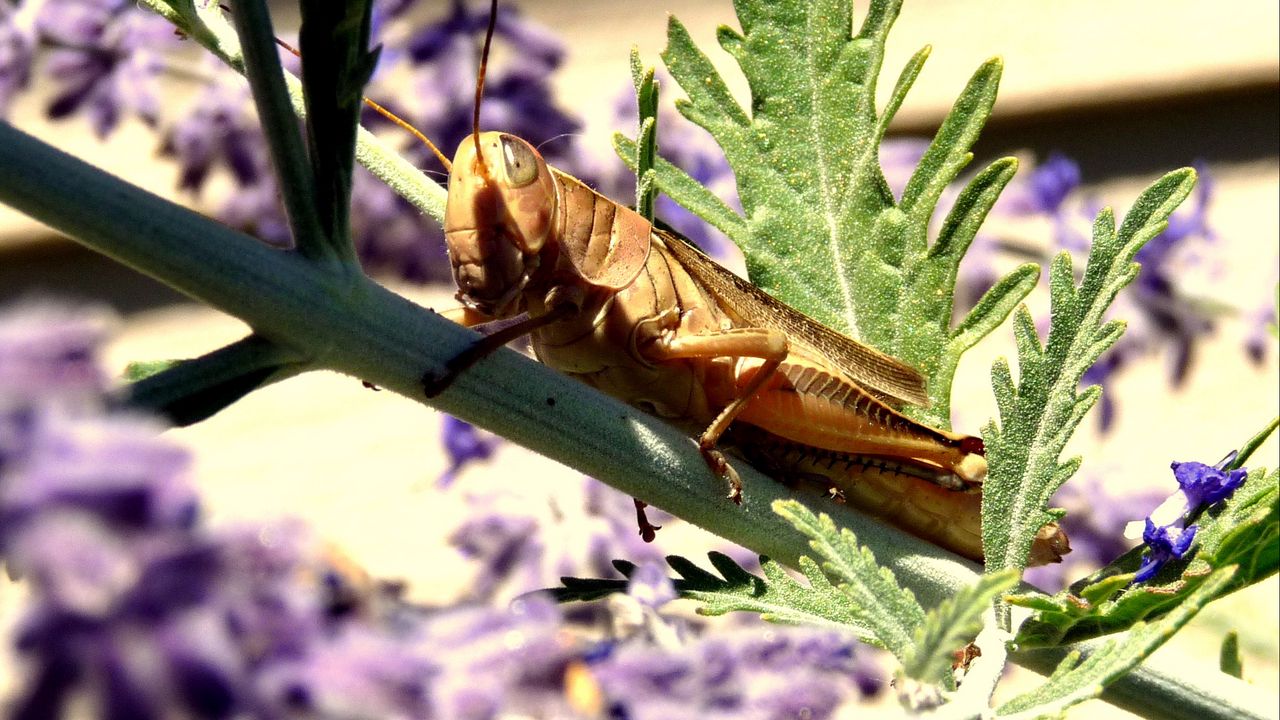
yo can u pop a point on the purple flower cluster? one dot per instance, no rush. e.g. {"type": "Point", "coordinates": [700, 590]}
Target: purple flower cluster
{"type": "Point", "coordinates": [138, 610]}
{"type": "Point", "coordinates": [105, 56]}
{"type": "Point", "coordinates": [1199, 487]}
{"type": "Point", "coordinates": [759, 672]}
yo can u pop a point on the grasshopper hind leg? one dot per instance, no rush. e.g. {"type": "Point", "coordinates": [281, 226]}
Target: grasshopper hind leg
{"type": "Point", "coordinates": [767, 344]}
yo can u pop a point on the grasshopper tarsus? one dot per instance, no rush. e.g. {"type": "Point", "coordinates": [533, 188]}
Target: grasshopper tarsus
{"type": "Point", "coordinates": [648, 531]}
{"type": "Point", "coordinates": [433, 385]}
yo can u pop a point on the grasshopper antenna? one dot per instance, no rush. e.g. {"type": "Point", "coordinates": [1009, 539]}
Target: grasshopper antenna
{"type": "Point", "coordinates": [395, 119]}
{"type": "Point", "coordinates": [484, 64]}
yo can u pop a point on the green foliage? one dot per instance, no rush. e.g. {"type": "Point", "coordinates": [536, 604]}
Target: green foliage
{"type": "Point", "coordinates": [336, 65]}
{"type": "Point", "coordinates": [1229, 660]}
{"type": "Point", "coordinates": [647, 134]}
{"type": "Point", "coordinates": [776, 597]}
{"type": "Point", "coordinates": [1075, 681]}
{"type": "Point", "coordinates": [952, 624]}
{"type": "Point", "coordinates": [187, 391]}
{"type": "Point", "coordinates": [1244, 532]}
{"type": "Point", "coordinates": [143, 369]}
{"type": "Point", "coordinates": [883, 606]}
{"type": "Point", "coordinates": [1039, 413]}
{"type": "Point", "coordinates": [820, 228]}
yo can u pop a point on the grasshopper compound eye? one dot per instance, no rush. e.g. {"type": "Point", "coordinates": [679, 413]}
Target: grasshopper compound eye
{"type": "Point", "coordinates": [519, 161]}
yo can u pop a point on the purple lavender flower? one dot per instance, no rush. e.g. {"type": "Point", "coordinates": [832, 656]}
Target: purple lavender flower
{"type": "Point", "coordinates": [17, 51]}
{"type": "Point", "coordinates": [1163, 544]}
{"type": "Point", "coordinates": [219, 130]}
{"type": "Point", "coordinates": [759, 672]}
{"type": "Point", "coordinates": [1045, 189]}
{"type": "Point", "coordinates": [105, 57]}
{"type": "Point", "coordinates": [650, 585]}
{"type": "Point", "coordinates": [1205, 485]}
{"type": "Point", "coordinates": [464, 444]}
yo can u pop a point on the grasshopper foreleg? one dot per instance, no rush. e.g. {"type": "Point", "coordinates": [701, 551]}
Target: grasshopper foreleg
{"type": "Point", "coordinates": [767, 344]}
{"type": "Point", "coordinates": [435, 383]}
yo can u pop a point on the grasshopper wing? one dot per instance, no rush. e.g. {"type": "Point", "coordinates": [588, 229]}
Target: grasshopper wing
{"type": "Point", "coordinates": [883, 375]}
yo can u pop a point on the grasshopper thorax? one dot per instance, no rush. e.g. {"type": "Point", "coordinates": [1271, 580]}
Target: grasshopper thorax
{"type": "Point", "coordinates": [497, 220]}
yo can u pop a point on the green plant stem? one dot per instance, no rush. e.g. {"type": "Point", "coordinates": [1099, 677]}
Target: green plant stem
{"type": "Point", "coordinates": [349, 324]}
{"type": "Point", "coordinates": [280, 126]}
{"type": "Point", "coordinates": [211, 30]}
{"type": "Point", "coordinates": [1161, 689]}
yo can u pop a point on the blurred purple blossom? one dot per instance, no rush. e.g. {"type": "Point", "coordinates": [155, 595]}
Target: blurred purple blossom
{"type": "Point", "coordinates": [1045, 189]}
{"type": "Point", "coordinates": [1159, 314]}
{"type": "Point", "coordinates": [757, 672]}
{"type": "Point", "coordinates": [1095, 521]}
{"type": "Point", "coordinates": [106, 56]}
{"type": "Point", "coordinates": [17, 50]}
{"type": "Point", "coordinates": [464, 443]}
{"type": "Point", "coordinates": [138, 610]}
{"type": "Point", "coordinates": [1262, 323]}
{"type": "Point", "coordinates": [525, 536]}
{"type": "Point", "coordinates": [218, 130]}
{"type": "Point", "coordinates": [650, 586]}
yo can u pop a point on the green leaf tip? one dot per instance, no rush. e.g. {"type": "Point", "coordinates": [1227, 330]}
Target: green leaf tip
{"type": "Point", "coordinates": [948, 627]}
{"type": "Point", "coordinates": [889, 611]}
{"type": "Point", "coordinates": [1039, 413]}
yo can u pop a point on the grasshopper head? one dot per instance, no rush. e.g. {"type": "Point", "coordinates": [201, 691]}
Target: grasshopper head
{"type": "Point", "coordinates": [497, 220]}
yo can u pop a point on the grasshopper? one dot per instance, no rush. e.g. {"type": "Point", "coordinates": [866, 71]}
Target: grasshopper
{"type": "Point", "coordinates": [645, 316]}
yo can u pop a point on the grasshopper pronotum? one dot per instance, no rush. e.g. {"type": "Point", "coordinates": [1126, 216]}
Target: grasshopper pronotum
{"type": "Point", "coordinates": [643, 315]}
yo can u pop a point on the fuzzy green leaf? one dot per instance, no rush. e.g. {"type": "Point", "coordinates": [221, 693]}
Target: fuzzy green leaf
{"type": "Point", "coordinates": [952, 624]}
{"type": "Point", "coordinates": [1074, 683]}
{"type": "Point", "coordinates": [694, 196]}
{"type": "Point", "coordinates": [884, 607]}
{"type": "Point", "coordinates": [820, 229]}
{"type": "Point", "coordinates": [776, 597]}
{"type": "Point", "coordinates": [1040, 414]}
{"type": "Point", "coordinates": [647, 135]}
{"type": "Point", "coordinates": [1243, 532]}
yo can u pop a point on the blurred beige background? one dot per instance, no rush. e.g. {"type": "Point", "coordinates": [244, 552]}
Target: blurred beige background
{"type": "Point", "coordinates": [1130, 89]}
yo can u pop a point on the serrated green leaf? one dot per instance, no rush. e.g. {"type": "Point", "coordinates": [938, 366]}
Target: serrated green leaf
{"type": "Point", "coordinates": [776, 597]}
{"type": "Point", "coordinates": [995, 305]}
{"type": "Point", "coordinates": [690, 193]}
{"type": "Point", "coordinates": [1074, 683]}
{"type": "Point", "coordinates": [820, 229]}
{"type": "Point", "coordinates": [1244, 532]}
{"type": "Point", "coordinates": [1038, 418]}
{"type": "Point", "coordinates": [952, 624]}
{"type": "Point", "coordinates": [888, 610]}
